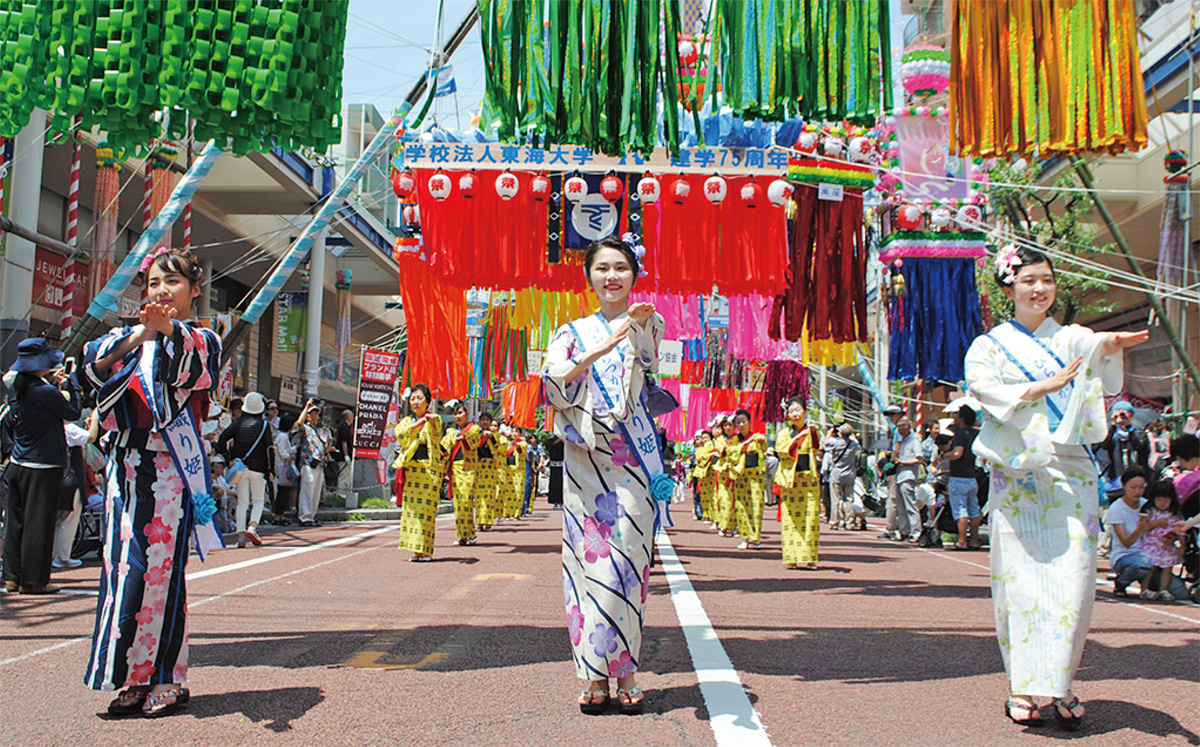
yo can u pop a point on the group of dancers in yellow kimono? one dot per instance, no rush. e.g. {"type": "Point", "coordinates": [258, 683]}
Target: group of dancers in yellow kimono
{"type": "Point", "coordinates": [729, 473]}
{"type": "Point", "coordinates": [485, 469]}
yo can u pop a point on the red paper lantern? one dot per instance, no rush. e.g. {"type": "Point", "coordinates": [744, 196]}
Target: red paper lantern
{"type": "Point", "coordinates": [751, 194]}
{"type": "Point", "coordinates": [468, 184]}
{"type": "Point", "coordinates": [403, 184]}
{"type": "Point", "coordinates": [680, 189]}
{"type": "Point", "coordinates": [439, 186]}
{"type": "Point", "coordinates": [411, 215]}
{"type": "Point", "coordinates": [611, 188]}
{"type": "Point", "coordinates": [779, 192]}
{"type": "Point", "coordinates": [908, 216]}
{"type": "Point", "coordinates": [649, 189]}
{"type": "Point", "coordinates": [715, 189]}
{"type": "Point", "coordinates": [575, 188]}
{"type": "Point", "coordinates": [507, 185]}
{"type": "Point", "coordinates": [807, 142]}
{"type": "Point", "coordinates": [539, 187]}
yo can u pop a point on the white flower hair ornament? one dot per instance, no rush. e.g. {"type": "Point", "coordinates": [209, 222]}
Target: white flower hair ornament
{"type": "Point", "coordinates": [1007, 263]}
{"type": "Point", "coordinates": [639, 250]}
{"type": "Point", "coordinates": [452, 404]}
{"type": "Point", "coordinates": [407, 393]}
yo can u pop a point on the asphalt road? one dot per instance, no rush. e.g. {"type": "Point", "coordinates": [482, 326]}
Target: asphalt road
{"type": "Point", "coordinates": [327, 636]}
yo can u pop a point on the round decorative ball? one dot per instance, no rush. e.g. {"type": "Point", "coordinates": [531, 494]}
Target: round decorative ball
{"type": "Point", "coordinates": [941, 217]}
{"type": "Point", "coordinates": [908, 216]}
{"type": "Point", "coordinates": [688, 52]}
{"type": "Point", "coordinates": [925, 70]}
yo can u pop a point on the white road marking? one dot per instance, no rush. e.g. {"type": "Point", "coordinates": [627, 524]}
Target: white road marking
{"type": "Point", "coordinates": [214, 571]}
{"type": "Point", "coordinates": [734, 721]}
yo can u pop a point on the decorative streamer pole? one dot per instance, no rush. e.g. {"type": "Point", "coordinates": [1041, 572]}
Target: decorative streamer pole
{"type": "Point", "coordinates": [105, 205]}
{"type": "Point", "coordinates": [382, 140]}
{"type": "Point", "coordinates": [68, 314]}
{"type": "Point", "coordinates": [3, 172]}
{"type": "Point", "coordinates": [107, 299]}
{"type": "Point", "coordinates": [187, 209]}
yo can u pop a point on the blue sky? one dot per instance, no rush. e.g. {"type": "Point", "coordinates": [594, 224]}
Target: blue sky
{"type": "Point", "coordinates": [387, 49]}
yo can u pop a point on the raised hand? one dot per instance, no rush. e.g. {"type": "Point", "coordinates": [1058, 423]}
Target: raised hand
{"type": "Point", "coordinates": [641, 313]}
{"type": "Point", "coordinates": [619, 333]}
{"type": "Point", "coordinates": [1121, 340]}
{"type": "Point", "coordinates": [157, 317]}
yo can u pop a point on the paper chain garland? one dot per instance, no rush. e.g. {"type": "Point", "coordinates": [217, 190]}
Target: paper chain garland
{"type": "Point", "coordinates": [265, 74]}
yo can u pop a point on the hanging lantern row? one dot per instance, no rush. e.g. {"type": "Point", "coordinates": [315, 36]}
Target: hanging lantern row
{"type": "Point", "coordinates": [910, 215]}
{"type": "Point", "coordinates": [575, 188]}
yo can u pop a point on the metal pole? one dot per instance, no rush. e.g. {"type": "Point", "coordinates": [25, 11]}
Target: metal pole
{"type": "Point", "coordinates": [263, 299]}
{"type": "Point", "coordinates": [316, 304]}
{"type": "Point", "coordinates": [20, 255]}
{"type": "Point", "coordinates": [1085, 176]}
{"type": "Point", "coordinates": [1178, 390]}
{"type": "Point", "coordinates": [109, 297]}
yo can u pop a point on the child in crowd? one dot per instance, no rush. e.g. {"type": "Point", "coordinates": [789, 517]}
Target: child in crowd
{"type": "Point", "coordinates": [223, 494]}
{"type": "Point", "coordinates": [1161, 546]}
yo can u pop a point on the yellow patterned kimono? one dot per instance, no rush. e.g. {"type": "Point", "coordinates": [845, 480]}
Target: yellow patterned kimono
{"type": "Point", "coordinates": [705, 483]}
{"type": "Point", "coordinates": [483, 490]}
{"type": "Point", "coordinates": [460, 448]}
{"type": "Point", "coordinates": [516, 471]}
{"type": "Point", "coordinates": [504, 485]}
{"type": "Point", "coordinates": [747, 464]}
{"type": "Point", "coordinates": [724, 487]}
{"type": "Point", "coordinates": [420, 457]}
{"type": "Point", "coordinates": [799, 492]}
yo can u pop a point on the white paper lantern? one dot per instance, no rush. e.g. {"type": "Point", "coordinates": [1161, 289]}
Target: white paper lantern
{"type": "Point", "coordinates": [969, 216]}
{"type": "Point", "coordinates": [575, 188]}
{"type": "Point", "coordinates": [940, 218]}
{"type": "Point", "coordinates": [715, 189]}
{"type": "Point", "coordinates": [649, 189]}
{"type": "Point", "coordinates": [507, 185]}
{"type": "Point", "coordinates": [779, 192]}
{"type": "Point", "coordinates": [439, 186]}
{"type": "Point", "coordinates": [861, 149]}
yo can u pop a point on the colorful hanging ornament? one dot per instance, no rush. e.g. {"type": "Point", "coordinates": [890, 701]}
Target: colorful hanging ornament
{"type": "Point", "coordinates": [779, 192]}
{"type": "Point", "coordinates": [1172, 242]}
{"type": "Point", "coordinates": [908, 216]}
{"type": "Point", "coordinates": [575, 188]}
{"type": "Point", "coordinates": [439, 186]}
{"type": "Point", "coordinates": [539, 187]}
{"type": "Point", "coordinates": [808, 140]}
{"type": "Point", "coordinates": [611, 188]}
{"type": "Point", "coordinates": [688, 52]}
{"type": "Point", "coordinates": [468, 184]}
{"type": "Point", "coordinates": [649, 189]}
{"type": "Point", "coordinates": [715, 189]}
{"type": "Point", "coordinates": [925, 70]}
{"type": "Point", "coordinates": [404, 184]}
{"type": "Point", "coordinates": [507, 185]}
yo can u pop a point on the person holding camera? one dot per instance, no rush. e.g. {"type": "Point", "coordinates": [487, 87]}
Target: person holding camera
{"type": "Point", "coordinates": [38, 411]}
{"type": "Point", "coordinates": [314, 446]}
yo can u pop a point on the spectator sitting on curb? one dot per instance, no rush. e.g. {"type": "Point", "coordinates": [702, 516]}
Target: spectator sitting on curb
{"type": "Point", "coordinates": [1129, 527]}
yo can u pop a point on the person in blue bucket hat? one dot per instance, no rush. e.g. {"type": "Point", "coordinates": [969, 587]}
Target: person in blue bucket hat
{"type": "Point", "coordinates": [1125, 446]}
{"type": "Point", "coordinates": [44, 395]}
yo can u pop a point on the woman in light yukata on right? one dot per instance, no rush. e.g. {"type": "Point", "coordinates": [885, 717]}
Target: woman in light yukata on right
{"type": "Point", "coordinates": [1042, 388]}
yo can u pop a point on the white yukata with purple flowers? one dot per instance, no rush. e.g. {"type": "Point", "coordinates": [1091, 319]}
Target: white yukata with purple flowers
{"type": "Point", "coordinates": [608, 513]}
{"type": "Point", "coordinates": [1044, 498]}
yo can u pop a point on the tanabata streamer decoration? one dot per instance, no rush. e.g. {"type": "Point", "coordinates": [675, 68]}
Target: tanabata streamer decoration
{"type": "Point", "coordinates": [518, 403]}
{"type": "Point", "coordinates": [925, 70]}
{"type": "Point", "coordinates": [436, 316]}
{"type": "Point", "coordinates": [1171, 231]}
{"type": "Point", "coordinates": [586, 72]}
{"type": "Point", "coordinates": [738, 247]}
{"type": "Point", "coordinates": [933, 304]}
{"type": "Point", "coordinates": [783, 379]}
{"type": "Point", "coordinates": [1058, 77]}
{"type": "Point", "coordinates": [825, 304]}
{"type": "Point", "coordinates": [817, 59]}
{"type": "Point", "coordinates": [266, 74]}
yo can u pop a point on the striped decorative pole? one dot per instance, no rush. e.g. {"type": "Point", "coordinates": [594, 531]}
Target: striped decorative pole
{"type": "Point", "coordinates": [147, 195]}
{"type": "Point", "coordinates": [187, 209]}
{"type": "Point", "coordinates": [68, 313]}
{"type": "Point", "coordinates": [3, 171]}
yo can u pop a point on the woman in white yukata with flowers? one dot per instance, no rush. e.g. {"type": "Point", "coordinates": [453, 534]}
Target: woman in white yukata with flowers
{"type": "Point", "coordinates": [152, 383]}
{"type": "Point", "coordinates": [1042, 388]}
{"type": "Point", "coordinates": [595, 377]}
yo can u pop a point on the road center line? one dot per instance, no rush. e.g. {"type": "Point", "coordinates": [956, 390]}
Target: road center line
{"type": "Point", "coordinates": [734, 721]}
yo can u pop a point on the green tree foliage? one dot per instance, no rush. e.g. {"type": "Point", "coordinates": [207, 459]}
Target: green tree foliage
{"type": "Point", "coordinates": [1054, 218]}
